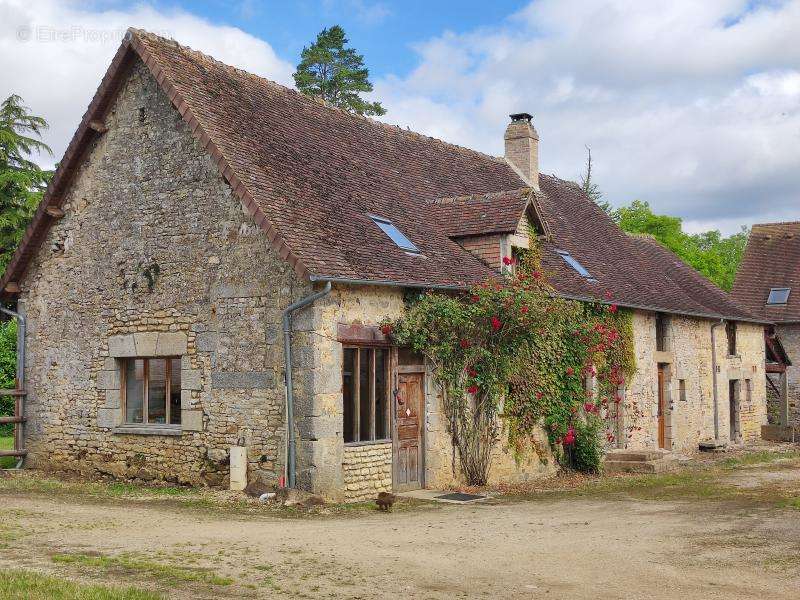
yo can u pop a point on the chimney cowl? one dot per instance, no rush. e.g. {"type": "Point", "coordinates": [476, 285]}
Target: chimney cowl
{"type": "Point", "coordinates": [521, 117]}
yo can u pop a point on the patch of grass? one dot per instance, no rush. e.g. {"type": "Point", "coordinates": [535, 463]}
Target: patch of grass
{"type": "Point", "coordinates": [7, 443]}
{"type": "Point", "coordinates": [128, 564]}
{"type": "Point", "coordinates": [758, 458]}
{"type": "Point", "coordinates": [25, 585]}
{"type": "Point", "coordinates": [790, 503]}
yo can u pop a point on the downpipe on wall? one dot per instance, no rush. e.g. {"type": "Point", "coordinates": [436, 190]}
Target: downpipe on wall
{"type": "Point", "coordinates": [714, 392]}
{"type": "Point", "coordinates": [18, 438]}
{"type": "Point", "coordinates": [291, 450]}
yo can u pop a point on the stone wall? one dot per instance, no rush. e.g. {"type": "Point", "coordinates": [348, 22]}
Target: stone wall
{"type": "Point", "coordinates": [790, 338]}
{"type": "Point", "coordinates": [155, 251]}
{"type": "Point", "coordinates": [690, 420]}
{"type": "Point", "coordinates": [367, 471]}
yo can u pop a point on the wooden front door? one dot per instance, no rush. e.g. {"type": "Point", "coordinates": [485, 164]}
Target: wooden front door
{"type": "Point", "coordinates": [408, 406]}
{"type": "Point", "coordinates": [662, 425]}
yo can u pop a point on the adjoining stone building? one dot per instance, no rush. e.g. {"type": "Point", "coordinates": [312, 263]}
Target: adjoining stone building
{"type": "Point", "coordinates": [207, 227]}
{"type": "Point", "coordinates": [768, 285]}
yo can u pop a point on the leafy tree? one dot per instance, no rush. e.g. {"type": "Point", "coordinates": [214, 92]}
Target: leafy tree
{"type": "Point", "coordinates": [22, 182]}
{"type": "Point", "coordinates": [713, 255]}
{"type": "Point", "coordinates": [590, 188]}
{"type": "Point", "coordinates": [336, 74]}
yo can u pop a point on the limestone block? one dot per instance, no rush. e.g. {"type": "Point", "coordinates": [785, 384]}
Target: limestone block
{"type": "Point", "coordinates": [207, 341]}
{"type": "Point", "coordinates": [108, 380]}
{"type": "Point", "coordinates": [146, 343]}
{"type": "Point", "coordinates": [238, 468]}
{"type": "Point", "coordinates": [113, 399]}
{"type": "Point", "coordinates": [108, 417]}
{"type": "Point", "coordinates": [171, 344]}
{"type": "Point", "coordinates": [192, 420]}
{"type": "Point", "coordinates": [121, 346]}
{"type": "Point", "coordinates": [186, 400]}
{"type": "Point", "coordinates": [110, 364]}
{"type": "Point", "coordinates": [191, 380]}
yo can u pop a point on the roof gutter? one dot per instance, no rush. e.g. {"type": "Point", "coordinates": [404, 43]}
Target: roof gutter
{"type": "Point", "coordinates": [291, 449]}
{"type": "Point", "coordinates": [461, 288]}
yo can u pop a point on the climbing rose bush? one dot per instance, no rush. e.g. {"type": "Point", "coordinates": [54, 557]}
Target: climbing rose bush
{"type": "Point", "coordinates": [511, 357]}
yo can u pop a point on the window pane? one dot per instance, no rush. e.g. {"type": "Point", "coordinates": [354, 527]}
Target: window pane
{"type": "Point", "coordinates": [175, 391]}
{"type": "Point", "coordinates": [381, 404]}
{"type": "Point", "coordinates": [134, 391]}
{"type": "Point", "coordinates": [157, 391]}
{"type": "Point", "coordinates": [366, 394]}
{"type": "Point", "coordinates": [778, 296]}
{"type": "Point", "coordinates": [395, 234]}
{"type": "Point", "coordinates": [348, 383]}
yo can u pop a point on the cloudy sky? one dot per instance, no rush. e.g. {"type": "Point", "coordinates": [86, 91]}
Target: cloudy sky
{"type": "Point", "coordinates": [692, 106]}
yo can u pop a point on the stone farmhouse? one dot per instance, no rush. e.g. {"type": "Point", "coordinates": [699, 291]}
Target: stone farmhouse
{"type": "Point", "coordinates": [203, 282]}
{"type": "Point", "coordinates": [768, 285]}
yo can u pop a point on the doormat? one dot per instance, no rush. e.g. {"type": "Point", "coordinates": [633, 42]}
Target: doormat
{"type": "Point", "coordinates": [460, 497]}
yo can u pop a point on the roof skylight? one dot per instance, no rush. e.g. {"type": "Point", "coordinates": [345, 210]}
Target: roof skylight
{"type": "Point", "coordinates": [395, 234]}
{"type": "Point", "coordinates": [778, 295]}
{"type": "Point", "coordinates": [573, 262]}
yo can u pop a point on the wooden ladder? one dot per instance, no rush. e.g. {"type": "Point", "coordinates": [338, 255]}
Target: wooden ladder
{"type": "Point", "coordinates": [18, 419]}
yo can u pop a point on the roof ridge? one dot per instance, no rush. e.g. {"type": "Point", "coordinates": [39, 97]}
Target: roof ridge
{"type": "Point", "coordinates": [320, 102]}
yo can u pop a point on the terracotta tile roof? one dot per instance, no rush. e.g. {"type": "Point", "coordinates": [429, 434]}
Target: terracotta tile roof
{"type": "Point", "coordinates": [481, 214]}
{"type": "Point", "coordinates": [634, 271]}
{"type": "Point", "coordinates": [771, 260]}
{"type": "Point", "coordinates": [312, 176]}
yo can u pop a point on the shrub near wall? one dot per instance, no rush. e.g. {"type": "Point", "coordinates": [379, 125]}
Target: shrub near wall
{"type": "Point", "coordinates": [8, 370]}
{"type": "Point", "coordinates": [512, 345]}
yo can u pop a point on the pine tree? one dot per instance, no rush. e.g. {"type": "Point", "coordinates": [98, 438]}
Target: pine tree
{"type": "Point", "coordinates": [591, 189]}
{"type": "Point", "coordinates": [336, 74]}
{"type": "Point", "coordinates": [22, 182]}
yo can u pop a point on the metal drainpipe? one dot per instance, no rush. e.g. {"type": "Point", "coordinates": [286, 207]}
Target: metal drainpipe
{"type": "Point", "coordinates": [714, 392]}
{"type": "Point", "coordinates": [20, 373]}
{"type": "Point", "coordinates": [291, 451]}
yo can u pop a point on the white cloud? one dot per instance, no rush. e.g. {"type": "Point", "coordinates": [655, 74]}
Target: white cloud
{"type": "Point", "coordinates": [690, 105]}
{"type": "Point", "coordinates": [54, 54]}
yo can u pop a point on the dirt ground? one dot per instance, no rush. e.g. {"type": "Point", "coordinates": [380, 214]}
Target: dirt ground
{"type": "Point", "coordinates": [586, 544]}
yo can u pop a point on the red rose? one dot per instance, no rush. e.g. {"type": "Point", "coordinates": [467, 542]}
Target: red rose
{"type": "Point", "coordinates": [523, 310]}
{"type": "Point", "coordinates": [612, 308]}
{"type": "Point", "coordinates": [539, 395]}
{"type": "Point", "coordinates": [464, 344]}
{"type": "Point", "coordinates": [387, 329]}
{"type": "Point", "coordinates": [496, 323]}
{"type": "Point", "coordinates": [509, 260]}
{"type": "Point", "coordinates": [473, 389]}
{"type": "Point", "coordinates": [569, 439]}
{"type": "Point", "coordinates": [537, 275]}
{"type": "Point", "coordinates": [475, 297]}
{"type": "Point", "coordinates": [472, 373]}
{"type": "Point", "coordinates": [589, 407]}
{"type": "Point", "coordinates": [570, 371]}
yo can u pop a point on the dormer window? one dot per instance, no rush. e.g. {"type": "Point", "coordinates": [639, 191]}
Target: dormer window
{"type": "Point", "coordinates": [395, 234]}
{"type": "Point", "coordinates": [778, 296]}
{"type": "Point", "coordinates": [579, 268]}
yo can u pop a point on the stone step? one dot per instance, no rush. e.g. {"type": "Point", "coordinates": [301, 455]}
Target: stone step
{"type": "Point", "coordinates": [630, 466]}
{"type": "Point", "coordinates": [636, 455]}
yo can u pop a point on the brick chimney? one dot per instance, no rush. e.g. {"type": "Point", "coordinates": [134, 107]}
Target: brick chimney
{"type": "Point", "coordinates": [522, 148]}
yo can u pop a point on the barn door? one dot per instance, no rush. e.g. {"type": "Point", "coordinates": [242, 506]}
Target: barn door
{"type": "Point", "coordinates": [408, 403]}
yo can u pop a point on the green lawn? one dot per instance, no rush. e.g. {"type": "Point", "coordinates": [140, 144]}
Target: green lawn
{"type": "Point", "coordinates": [27, 585]}
{"type": "Point", "coordinates": [7, 443]}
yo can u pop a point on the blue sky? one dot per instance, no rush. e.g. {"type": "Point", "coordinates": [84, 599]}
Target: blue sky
{"type": "Point", "coordinates": [692, 106]}
{"type": "Point", "coordinates": [384, 32]}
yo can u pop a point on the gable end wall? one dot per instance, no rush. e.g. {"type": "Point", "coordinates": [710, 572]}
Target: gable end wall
{"type": "Point", "coordinates": [156, 252]}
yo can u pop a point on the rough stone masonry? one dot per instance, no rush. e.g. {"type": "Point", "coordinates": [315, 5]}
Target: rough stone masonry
{"type": "Point", "coordinates": [155, 257]}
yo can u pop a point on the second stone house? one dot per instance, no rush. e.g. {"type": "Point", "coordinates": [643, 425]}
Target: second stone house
{"type": "Point", "coordinates": [203, 282]}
